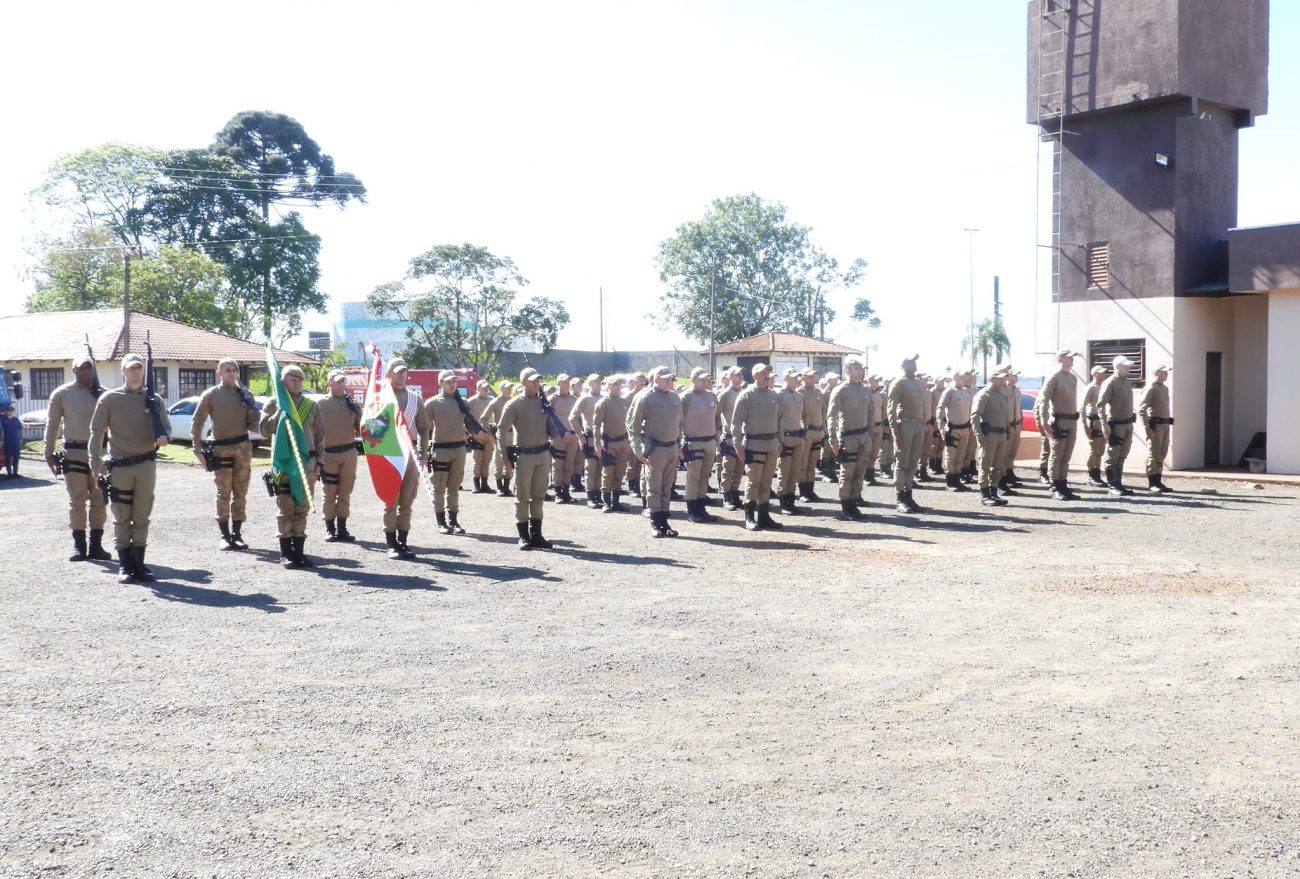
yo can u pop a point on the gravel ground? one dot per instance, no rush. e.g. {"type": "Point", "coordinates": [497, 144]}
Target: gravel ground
{"type": "Point", "coordinates": [1096, 689]}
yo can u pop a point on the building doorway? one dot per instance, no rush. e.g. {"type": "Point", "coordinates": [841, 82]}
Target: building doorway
{"type": "Point", "coordinates": [1213, 407]}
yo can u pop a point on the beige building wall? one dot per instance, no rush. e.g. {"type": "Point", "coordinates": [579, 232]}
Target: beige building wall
{"type": "Point", "coordinates": [1284, 404]}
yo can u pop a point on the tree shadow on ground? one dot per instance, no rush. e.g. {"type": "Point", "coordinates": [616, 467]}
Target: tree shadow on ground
{"type": "Point", "coordinates": [572, 550]}
{"type": "Point", "coordinates": [199, 595]}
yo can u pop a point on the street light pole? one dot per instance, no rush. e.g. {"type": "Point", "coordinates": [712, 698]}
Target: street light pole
{"type": "Point", "coordinates": [713, 320]}
{"type": "Point", "coordinates": [971, 337]}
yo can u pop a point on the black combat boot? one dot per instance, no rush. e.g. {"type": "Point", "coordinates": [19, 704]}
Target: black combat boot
{"type": "Point", "coordinates": [921, 475]}
{"type": "Point", "coordinates": [97, 551]}
{"type": "Point", "coordinates": [702, 510]}
{"type": "Point", "coordinates": [666, 530]}
{"type": "Point", "coordinates": [559, 494]}
{"type": "Point", "coordinates": [1014, 480]}
{"type": "Point", "coordinates": [998, 500]}
{"type": "Point", "coordinates": [971, 474]}
{"type": "Point", "coordinates": [849, 511]}
{"type": "Point", "coordinates": [1160, 487]}
{"type": "Point", "coordinates": [535, 535]}
{"type": "Point", "coordinates": [986, 497]}
{"type": "Point", "coordinates": [751, 519]}
{"type": "Point", "coordinates": [453, 522]}
{"type": "Point", "coordinates": [694, 513]}
{"type": "Point", "coordinates": [870, 478]}
{"type": "Point", "coordinates": [1060, 492]}
{"type": "Point", "coordinates": [390, 537]}
{"type": "Point", "coordinates": [731, 501]}
{"type": "Point", "coordinates": [618, 502]}
{"type": "Point", "coordinates": [347, 536]}
{"type": "Point", "coordinates": [633, 486]}
{"type": "Point", "coordinates": [833, 472]}
{"type": "Point", "coordinates": [607, 501]}
{"type": "Point", "coordinates": [78, 547]}
{"type": "Point", "coordinates": [1151, 486]}
{"type": "Point", "coordinates": [224, 527]}
{"type": "Point", "coordinates": [298, 545]}
{"type": "Point", "coordinates": [595, 501]}
{"type": "Point", "coordinates": [288, 558]}
{"type": "Point", "coordinates": [503, 486]}
{"type": "Point", "coordinates": [331, 531]}
{"type": "Point", "coordinates": [887, 472]}
{"type": "Point", "coordinates": [1043, 478]}
{"type": "Point", "coordinates": [901, 498]}
{"type": "Point", "coordinates": [575, 483]}
{"type": "Point", "coordinates": [950, 482]}
{"type": "Point", "coordinates": [1004, 486]}
{"type": "Point", "coordinates": [524, 543]}
{"type": "Point", "coordinates": [236, 537]}
{"type": "Point", "coordinates": [787, 505]}
{"type": "Point", "coordinates": [912, 506]}
{"type": "Point", "coordinates": [810, 493]}
{"type": "Point", "coordinates": [1094, 478]}
{"type": "Point", "coordinates": [142, 571]}
{"type": "Point", "coordinates": [125, 566]}
{"type": "Point", "coordinates": [1119, 483]}
{"type": "Point", "coordinates": [443, 527]}
{"type": "Point", "coordinates": [765, 517]}
{"type": "Point", "coordinates": [401, 545]}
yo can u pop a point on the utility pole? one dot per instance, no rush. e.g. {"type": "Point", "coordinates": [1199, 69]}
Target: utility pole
{"type": "Point", "coordinates": [126, 302]}
{"type": "Point", "coordinates": [997, 300]}
{"type": "Point", "coordinates": [602, 320]}
{"type": "Point", "coordinates": [821, 317]}
{"type": "Point", "coordinates": [971, 234]}
{"type": "Point", "coordinates": [713, 320]}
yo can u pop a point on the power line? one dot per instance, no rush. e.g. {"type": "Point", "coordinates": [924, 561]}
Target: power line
{"type": "Point", "coordinates": [183, 243]}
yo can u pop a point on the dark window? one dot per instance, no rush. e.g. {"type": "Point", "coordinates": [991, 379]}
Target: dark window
{"type": "Point", "coordinates": [44, 381]}
{"type": "Point", "coordinates": [824, 365]}
{"type": "Point", "coordinates": [160, 381]}
{"type": "Point", "coordinates": [1102, 352]}
{"type": "Point", "coordinates": [185, 407]}
{"type": "Point", "coordinates": [1099, 264]}
{"type": "Point", "coordinates": [195, 381]}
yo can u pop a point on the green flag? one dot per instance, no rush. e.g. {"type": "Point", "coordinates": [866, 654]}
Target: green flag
{"type": "Point", "coordinates": [289, 445]}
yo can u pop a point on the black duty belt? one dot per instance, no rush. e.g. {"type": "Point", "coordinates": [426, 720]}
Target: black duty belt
{"type": "Point", "coordinates": [660, 444]}
{"type": "Point", "coordinates": [73, 445]}
{"type": "Point", "coordinates": [458, 444]}
{"type": "Point", "coordinates": [1155, 420]}
{"type": "Point", "coordinates": [985, 427]}
{"type": "Point", "coordinates": [816, 427]}
{"type": "Point", "coordinates": [701, 439]}
{"type": "Point", "coordinates": [759, 436]}
{"type": "Point", "coordinates": [799, 433]}
{"type": "Point", "coordinates": [606, 438]}
{"type": "Point", "coordinates": [334, 450]}
{"type": "Point", "coordinates": [1096, 418]}
{"type": "Point", "coordinates": [959, 426]}
{"type": "Point", "coordinates": [532, 450]}
{"type": "Point", "coordinates": [1074, 417]}
{"type": "Point", "coordinates": [1118, 421]}
{"type": "Point", "coordinates": [114, 463]}
{"type": "Point", "coordinates": [230, 440]}
{"type": "Point", "coordinates": [858, 432]}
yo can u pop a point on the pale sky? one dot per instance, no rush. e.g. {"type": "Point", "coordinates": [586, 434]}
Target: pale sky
{"type": "Point", "coordinates": [574, 137]}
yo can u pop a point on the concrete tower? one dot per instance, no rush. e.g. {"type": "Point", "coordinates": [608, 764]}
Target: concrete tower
{"type": "Point", "coordinates": [1144, 100]}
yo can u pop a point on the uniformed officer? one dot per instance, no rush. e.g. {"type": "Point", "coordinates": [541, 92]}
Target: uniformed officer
{"type": "Point", "coordinates": [990, 422]}
{"type": "Point", "coordinates": [794, 432]}
{"type": "Point", "coordinates": [1057, 411]}
{"type": "Point", "coordinates": [1157, 419]}
{"type": "Point", "coordinates": [478, 406]}
{"type": "Point", "coordinates": [397, 518]}
{"type": "Point", "coordinates": [953, 418]}
{"type": "Point", "coordinates": [1015, 424]}
{"type": "Point", "coordinates": [701, 426]}
{"type": "Point", "coordinates": [291, 521]}
{"type": "Point", "coordinates": [934, 436]}
{"type": "Point", "coordinates": [566, 451]}
{"type": "Point", "coordinates": [609, 425]}
{"type": "Point", "coordinates": [1115, 406]}
{"type": "Point", "coordinates": [877, 422]}
{"type": "Point", "coordinates": [341, 422]}
{"type": "Point", "coordinates": [730, 467]}
{"type": "Point", "coordinates": [581, 422]}
{"type": "Point", "coordinates": [908, 400]}
{"type": "Point", "coordinates": [492, 418]}
{"type": "Point", "coordinates": [826, 464]}
{"type": "Point", "coordinates": [814, 419]}
{"type": "Point", "coordinates": [1096, 438]}
{"type": "Point", "coordinates": [848, 423]}
{"type": "Point", "coordinates": [71, 407]}
{"type": "Point", "coordinates": [452, 425]}
{"type": "Point", "coordinates": [523, 431]}
{"type": "Point", "coordinates": [133, 442]}
{"type": "Point", "coordinates": [640, 381]}
{"type": "Point", "coordinates": [756, 434]}
{"type": "Point", "coordinates": [229, 454]}
{"type": "Point", "coordinates": [654, 424]}
{"type": "Point", "coordinates": [885, 463]}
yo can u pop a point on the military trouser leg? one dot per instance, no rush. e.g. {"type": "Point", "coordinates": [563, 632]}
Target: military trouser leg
{"type": "Point", "coordinates": [854, 460]}
{"type": "Point", "coordinates": [1062, 450]}
{"type": "Point", "coordinates": [531, 472]}
{"type": "Point", "coordinates": [132, 503]}
{"type": "Point", "coordinates": [337, 482]}
{"type": "Point", "coordinates": [886, 448]}
{"type": "Point", "coordinates": [813, 443]}
{"type": "Point", "coordinates": [1157, 449]}
{"type": "Point", "coordinates": [954, 456]}
{"type": "Point", "coordinates": [398, 516]}
{"type": "Point", "coordinates": [910, 441]}
{"type": "Point", "coordinates": [660, 476]}
{"type": "Point", "coordinates": [234, 467]}
{"type": "Point", "coordinates": [1096, 445]}
{"type": "Point", "coordinates": [699, 464]}
{"type": "Point", "coordinates": [732, 469]}
{"type": "Point", "coordinates": [448, 473]}
{"type": "Point", "coordinates": [498, 461]}
{"type": "Point", "coordinates": [481, 462]}
{"type": "Point", "coordinates": [760, 466]}
{"type": "Point", "coordinates": [1013, 446]}
{"type": "Point", "coordinates": [1121, 440]}
{"type": "Point", "coordinates": [564, 459]}
{"type": "Point", "coordinates": [789, 465]}
{"type": "Point", "coordinates": [634, 468]}
{"type": "Point", "coordinates": [590, 466]}
{"type": "Point", "coordinates": [612, 474]}
{"type": "Point", "coordinates": [83, 491]}
{"type": "Point", "coordinates": [990, 457]}
{"type": "Point", "coordinates": [877, 435]}
{"type": "Point", "coordinates": [1045, 452]}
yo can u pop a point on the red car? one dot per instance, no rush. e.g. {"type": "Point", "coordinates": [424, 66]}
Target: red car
{"type": "Point", "coordinates": [1028, 423]}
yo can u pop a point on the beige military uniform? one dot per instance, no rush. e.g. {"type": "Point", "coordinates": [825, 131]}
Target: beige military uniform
{"type": "Point", "coordinates": [132, 449]}
{"type": "Point", "coordinates": [990, 422]}
{"type": "Point", "coordinates": [654, 424]}
{"type": "Point", "coordinates": [793, 434]}
{"type": "Point", "coordinates": [701, 426]}
{"type": "Point", "coordinates": [1096, 439]}
{"type": "Point", "coordinates": [730, 467]}
{"type": "Point", "coordinates": [478, 407]}
{"type": "Point", "coordinates": [909, 400]}
{"type": "Point", "coordinates": [1058, 413]}
{"type": "Point", "coordinates": [756, 426]}
{"type": "Point", "coordinates": [230, 453]}
{"type": "Point", "coordinates": [1115, 405]}
{"type": "Point", "coordinates": [447, 449]}
{"type": "Point", "coordinates": [814, 421]}
{"type": "Point", "coordinates": [848, 422]}
{"type": "Point", "coordinates": [291, 518]}
{"type": "Point", "coordinates": [887, 451]}
{"type": "Point", "coordinates": [491, 420]}
{"type": "Point", "coordinates": [953, 418]}
{"type": "Point", "coordinates": [877, 422]}
{"type": "Point", "coordinates": [566, 451]}
{"type": "Point", "coordinates": [609, 421]}
{"type": "Point", "coordinates": [341, 424]}
{"type": "Point", "coordinates": [581, 422]}
{"type": "Point", "coordinates": [1157, 418]}
{"type": "Point", "coordinates": [523, 430]}
{"type": "Point", "coordinates": [71, 406]}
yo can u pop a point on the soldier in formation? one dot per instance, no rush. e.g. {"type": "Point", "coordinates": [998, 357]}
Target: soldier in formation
{"type": "Point", "coordinates": [523, 431]}
{"type": "Point", "coordinates": [849, 428]}
{"type": "Point", "coordinates": [291, 521]}
{"type": "Point", "coordinates": [1157, 420]}
{"type": "Point", "coordinates": [953, 419]}
{"type": "Point", "coordinates": [814, 418]}
{"type": "Point", "coordinates": [566, 451]}
{"type": "Point", "coordinates": [452, 425]}
{"type": "Point", "coordinates": [730, 467]}
{"type": "Point", "coordinates": [228, 455]}
{"type": "Point", "coordinates": [701, 428]}
{"type": "Point", "coordinates": [71, 408]}
{"type": "Point", "coordinates": [907, 407]}
{"type": "Point", "coordinates": [582, 422]}
{"type": "Point", "coordinates": [609, 426]}
{"type": "Point", "coordinates": [756, 435]}
{"type": "Point", "coordinates": [655, 425]}
{"type": "Point", "coordinates": [492, 416]}
{"type": "Point", "coordinates": [1115, 406]}
{"type": "Point", "coordinates": [478, 406]}
{"type": "Point", "coordinates": [989, 420]}
{"type": "Point", "coordinates": [794, 432]}
{"type": "Point", "coordinates": [397, 516]}
{"type": "Point", "coordinates": [341, 421]}
{"type": "Point", "coordinates": [1057, 413]}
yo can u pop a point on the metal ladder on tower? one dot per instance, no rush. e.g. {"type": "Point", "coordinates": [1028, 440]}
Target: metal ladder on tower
{"type": "Point", "coordinates": [1053, 45]}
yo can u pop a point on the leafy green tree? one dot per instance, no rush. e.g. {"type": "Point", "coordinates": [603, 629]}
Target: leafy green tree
{"type": "Point", "coordinates": [459, 300]}
{"type": "Point", "coordinates": [317, 373]}
{"type": "Point", "coordinates": [80, 272]}
{"type": "Point", "coordinates": [990, 338]}
{"type": "Point", "coordinates": [864, 313]}
{"type": "Point", "coordinates": [106, 187]}
{"type": "Point", "coordinates": [744, 266]}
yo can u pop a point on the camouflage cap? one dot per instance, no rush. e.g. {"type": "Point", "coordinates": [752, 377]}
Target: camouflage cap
{"type": "Point", "coordinates": [132, 359]}
{"type": "Point", "coordinates": [760, 369]}
{"type": "Point", "coordinates": [699, 372]}
{"type": "Point", "coordinates": [396, 364]}
{"type": "Point", "coordinates": [335, 375]}
{"type": "Point", "coordinates": [808, 370]}
{"type": "Point", "coordinates": [854, 360]}
{"type": "Point", "coordinates": [563, 377]}
{"type": "Point", "coordinates": [1099, 370]}
{"type": "Point", "coordinates": [292, 370]}
{"type": "Point", "coordinates": [528, 374]}
{"type": "Point", "coordinates": [790, 372]}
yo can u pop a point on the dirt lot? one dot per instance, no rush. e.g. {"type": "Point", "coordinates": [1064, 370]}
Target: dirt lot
{"type": "Point", "coordinates": [1096, 689]}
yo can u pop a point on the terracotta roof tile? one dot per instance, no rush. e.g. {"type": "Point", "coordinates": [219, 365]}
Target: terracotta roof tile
{"type": "Point", "coordinates": [58, 335]}
{"type": "Point", "coordinates": [783, 343]}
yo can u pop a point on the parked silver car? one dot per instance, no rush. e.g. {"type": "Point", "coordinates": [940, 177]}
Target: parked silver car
{"type": "Point", "coordinates": [181, 415]}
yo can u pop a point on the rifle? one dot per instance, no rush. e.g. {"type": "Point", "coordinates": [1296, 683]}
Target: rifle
{"type": "Point", "coordinates": [560, 430]}
{"type": "Point", "coordinates": [471, 422]}
{"type": "Point", "coordinates": [150, 396]}
{"type": "Point", "coordinates": [95, 387]}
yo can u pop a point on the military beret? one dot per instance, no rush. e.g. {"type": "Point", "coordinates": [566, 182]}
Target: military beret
{"type": "Point", "coordinates": [132, 359]}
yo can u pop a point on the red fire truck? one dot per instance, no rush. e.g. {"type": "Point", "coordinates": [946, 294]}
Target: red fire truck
{"type": "Point", "coordinates": [423, 381]}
